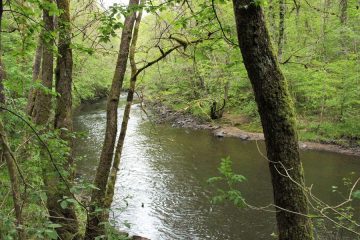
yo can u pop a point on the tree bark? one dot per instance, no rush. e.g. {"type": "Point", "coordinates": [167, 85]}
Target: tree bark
{"type": "Point", "coordinates": [344, 51]}
{"type": "Point", "coordinates": [64, 69]}
{"type": "Point", "coordinates": [93, 229]}
{"type": "Point", "coordinates": [278, 121]}
{"type": "Point", "coordinates": [40, 112]}
{"type": "Point", "coordinates": [282, 9]}
{"type": "Point", "coordinates": [7, 155]}
{"type": "Point", "coordinates": [343, 11]}
{"type": "Point", "coordinates": [56, 189]}
{"type": "Point", "coordinates": [35, 75]}
{"type": "Point", "coordinates": [121, 140]}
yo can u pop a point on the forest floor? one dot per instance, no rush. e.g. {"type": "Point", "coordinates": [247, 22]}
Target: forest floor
{"type": "Point", "coordinates": [230, 126]}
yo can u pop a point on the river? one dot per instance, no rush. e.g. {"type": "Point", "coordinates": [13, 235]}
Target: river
{"type": "Point", "coordinates": [162, 189]}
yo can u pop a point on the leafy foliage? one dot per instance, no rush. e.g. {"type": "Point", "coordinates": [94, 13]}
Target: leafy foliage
{"type": "Point", "coordinates": [231, 180]}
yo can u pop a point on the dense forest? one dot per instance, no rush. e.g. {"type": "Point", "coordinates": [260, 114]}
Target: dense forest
{"type": "Point", "coordinates": [284, 71]}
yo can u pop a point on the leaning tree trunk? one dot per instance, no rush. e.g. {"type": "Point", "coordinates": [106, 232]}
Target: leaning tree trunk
{"type": "Point", "coordinates": [121, 140]}
{"type": "Point", "coordinates": [8, 156]}
{"type": "Point", "coordinates": [278, 121]}
{"type": "Point", "coordinates": [93, 228]}
{"type": "Point", "coordinates": [56, 188]}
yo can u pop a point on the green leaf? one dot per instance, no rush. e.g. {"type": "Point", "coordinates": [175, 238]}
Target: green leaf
{"type": "Point", "coordinates": [51, 233]}
{"type": "Point", "coordinates": [54, 225]}
{"type": "Point", "coordinates": [356, 194]}
{"type": "Point", "coordinates": [64, 204]}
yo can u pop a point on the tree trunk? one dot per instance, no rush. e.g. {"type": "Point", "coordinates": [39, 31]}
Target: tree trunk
{"type": "Point", "coordinates": [7, 155]}
{"type": "Point", "coordinates": [5, 151]}
{"type": "Point", "coordinates": [120, 143]}
{"type": "Point", "coordinates": [343, 21]}
{"type": "Point", "coordinates": [278, 121]}
{"type": "Point", "coordinates": [41, 110]}
{"type": "Point", "coordinates": [64, 68]}
{"type": "Point", "coordinates": [56, 188]}
{"type": "Point", "coordinates": [325, 58]}
{"type": "Point", "coordinates": [93, 229]}
{"type": "Point", "coordinates": [282, 9]}
{"type": "Point", "coordinates": [343, 11]}
{"type": "Point", "coordinates": [344, 51]}
{"type": "Point", "coordinates": [35, 75]}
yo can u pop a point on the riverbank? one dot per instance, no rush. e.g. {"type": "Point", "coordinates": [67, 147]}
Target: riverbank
{"type": "Point", "coordinates": [164, 114]}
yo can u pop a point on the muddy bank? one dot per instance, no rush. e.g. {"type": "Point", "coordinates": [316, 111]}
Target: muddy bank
{"type": "Point", "coordinates": [163, 114]}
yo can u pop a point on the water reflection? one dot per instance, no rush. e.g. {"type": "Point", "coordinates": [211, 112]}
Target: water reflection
{"type": "Point", "coordinates": [163, 179]}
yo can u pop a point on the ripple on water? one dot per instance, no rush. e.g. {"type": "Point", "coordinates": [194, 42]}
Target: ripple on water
{"type": "Point", "coordinates": [162, 190]}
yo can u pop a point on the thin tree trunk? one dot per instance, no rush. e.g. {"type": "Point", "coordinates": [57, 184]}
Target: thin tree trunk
{"type": "Point", "coordinates": [272, 18]}
{"type": "Point", "coordinates": [5, 152]}
{"type": "Point", "coordinates": [344, 50]}
{"type": "Point", "coordinates": [343, 11]}
{"type": "Point", "coordinates": [35, 75]}
{"type": "Point", "coordinates": [120, 143]}
{"type": "Point", "coordinates": [282, 9]}
{"type": "Point", "coordinates": [278, 121]}
{"type": "Point", "coordinates": [325, 58]}
{"type": "Point", "coordinates": [297, 19]}
{"type": "Point", "coordinates": [93, 229]}
{"type": "Point", "coordinates": [343, 21]}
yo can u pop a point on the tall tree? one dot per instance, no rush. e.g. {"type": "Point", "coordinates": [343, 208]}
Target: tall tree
{"type": "Point", "coordinates": [41, 109]}
{"type": "Point", "coordinates": [93, 228]}
{"type": "Point", "coordinates": [278, 121]}
{"type": "Point", "coordinates": [56, 188]}
{"type": "Point", "coordinates": [64, 69]}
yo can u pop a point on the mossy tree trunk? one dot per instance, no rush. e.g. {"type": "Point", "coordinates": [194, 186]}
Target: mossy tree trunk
{"type": "Point", "coordinates": [278, 121]}
{"type": "Point", "coordinates": [94, 228]}
{"type": "Point", "coordinates": [56, 188]}
{"type": "Point", "coordinates": [40, 108]}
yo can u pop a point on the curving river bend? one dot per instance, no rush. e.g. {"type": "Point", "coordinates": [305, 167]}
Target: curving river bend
{"type": "Point", "coordinates": [162, 191]}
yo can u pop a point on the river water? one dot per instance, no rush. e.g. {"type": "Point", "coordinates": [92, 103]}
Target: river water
{"type": "Point", "coordinates": [162, 189]}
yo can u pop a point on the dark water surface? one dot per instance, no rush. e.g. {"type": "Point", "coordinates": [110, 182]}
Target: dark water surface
{"type": "Point", "coordinates": [164, 171]}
